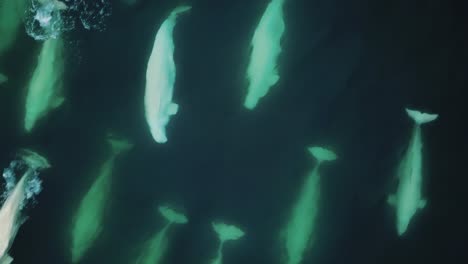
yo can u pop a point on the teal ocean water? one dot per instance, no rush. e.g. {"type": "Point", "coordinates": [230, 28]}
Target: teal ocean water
{"type": "Point", "coordinates": [347, 71]}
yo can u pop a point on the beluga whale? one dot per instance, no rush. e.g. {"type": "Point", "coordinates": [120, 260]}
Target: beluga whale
{"type": "Point", "coordinates": [45, 86]}
{"type": "Point", "coordinates": [160, 78]}
{"type": "Point", "coordinates": [262, 72]}
{"type": "Point", "coordinates": [408, 198]}
{"type": "Point", "coordinates": [89, 219]}
{"type": "Point", "coordinates": [225, 233]}
{"type": "Point", "coordinates": [156, 247]}
{"type": "Point", "coordinates": [301, 226]}
{"type": "Point", "coordinates": [17, 194]}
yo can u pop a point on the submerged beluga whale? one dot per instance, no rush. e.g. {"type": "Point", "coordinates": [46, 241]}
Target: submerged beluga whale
{"type": "Point", "coordinates": [45, 86]}
{"type": "Point", "coordinates": [160, 79]}
{"type": "Point", "coordinates": [262, 71]}
{"type": "Point", "coordinates": [225, 233]}
{"type": "Point", "coordinates": [156, 247]}
{"type": "Point", "coordinates": [11, 215]}
{"type": "Point", "coordinates": [11, 16]}
{"type": "Point", "coordinates": [300, 228]}
{"type": "Point", "coordinates": [408, 198]}
{"type": "Point", "coordinates": [89, 218]}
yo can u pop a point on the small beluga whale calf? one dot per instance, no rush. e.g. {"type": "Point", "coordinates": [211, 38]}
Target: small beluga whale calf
{"type": "Point", "coordinates": [262, 71]}
{"type": "Point", "coordinates": [88, 221]}
{"type": "Point", "coordinates": [225, 233]}
{"type": "Point", "coordinates": [300, 228]}
{"type": "Point", "coordinates": [160, 78]}
{"type": "Point", "coordinates": [156, 247]}
{"type": "Point", "coordinates": [16, 196]}
{"type": "Point", "coordinates": [45, 86]}
{"type": "Point", "coordinates": [408, 197]}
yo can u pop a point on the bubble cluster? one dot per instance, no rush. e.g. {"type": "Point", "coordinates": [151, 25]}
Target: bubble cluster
{"type": "Point", "coordinates": [47, 19]}
{"type": "Point", "coordinates": [32, 186]}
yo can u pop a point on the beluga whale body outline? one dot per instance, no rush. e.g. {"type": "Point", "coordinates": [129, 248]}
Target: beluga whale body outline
{"type": "Point", "coordinates": [262, 71]}
{"type": "Point", "coordinates": [160, 79]}
{"type": "Point", "coordinates": [408, 197]}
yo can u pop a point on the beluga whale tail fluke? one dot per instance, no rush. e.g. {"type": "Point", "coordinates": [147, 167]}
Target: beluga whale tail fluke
{"type": "Point", "coordinates": [225, 233]}
{"type": "Point", "coordinates": [420, 117]}
{"type": "Point", "coordinates": [181, 9]}
{"type": "Point", "coordinates": [408, 198]}
{"type": "Point", "coordinates": [161, 77]}
{"type": "Point", "coordinates": [34, 160]}
{"type": "Point", "coordinates": [156, 247]}
{"type": "Point", "coordinates": [322, 154]}
{"type": "Point", "coordinates": [118, 145]}
{"type": "Point", "coordinates": [172, 216]}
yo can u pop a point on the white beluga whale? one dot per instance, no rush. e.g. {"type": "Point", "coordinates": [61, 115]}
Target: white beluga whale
{"type": "Point", "coordinates": [88, 221]}
{"type": "Point", "coordinates": [44, 89]}
{"type": "Point", "coordinates": [160, 79]}
{"type": "Point", "coordinates": [156, 247]}
{"type": "Point", "coordinates": [225, 233]}
{"type": "Point", "coordinates": [408, 198]}
{"type": "Point", "coordinates": [17, 194]}
{"type": "Point", "coordinates": [300, 228]}
{"type": "Point", "coordinates": [262, 71]}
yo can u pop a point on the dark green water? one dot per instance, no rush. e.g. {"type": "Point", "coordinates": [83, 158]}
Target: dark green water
{"type": "Point", "coordinates": [348, 69]}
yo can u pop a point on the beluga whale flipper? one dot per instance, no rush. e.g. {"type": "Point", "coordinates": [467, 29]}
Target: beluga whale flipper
{"type": "Point", "coordinates": [408, 197]}
{"type": "Point", "coordinates": [29, 164]}
{"type": "Point", "coordinates": [160, 79]}
{"type": "Point", "coordinates": [44, 89]}
{"type": "Point", "coordinates": [88, 221]}
{"type": "Point", "coordinates": [262, 71]}
{"type": "Point", "coordinates": [301, 225]}
{"type": "Point", "coordinates": [156, 247]}
{"type": "Point", "coordinates": [225, 233]}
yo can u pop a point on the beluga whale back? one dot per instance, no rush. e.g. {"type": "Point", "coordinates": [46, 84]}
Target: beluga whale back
{"type": "Point", "coordinates": [262, 71]}
{"type": "Point", "coordinates": [160, 79]}
{"type": "Point", "coordinates": [89, 219]}
{"type": "Point", "coordinates": [299, 231]}
{"type": "Point", "coordinates": [45, 86]}
{"type": "Point", "coordinates": [408, 198]}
